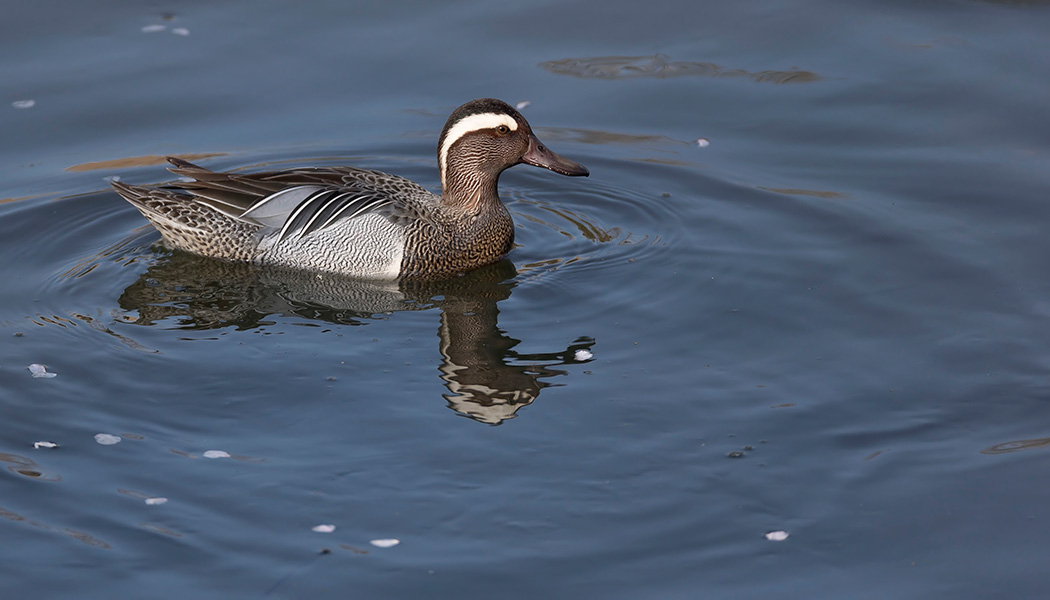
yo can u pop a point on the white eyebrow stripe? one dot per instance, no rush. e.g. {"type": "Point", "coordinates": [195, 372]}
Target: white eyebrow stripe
{"type": "Point", "coordinates": [467, 125]}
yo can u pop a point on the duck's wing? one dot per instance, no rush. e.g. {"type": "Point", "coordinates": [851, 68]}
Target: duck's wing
{"type": "Point", "coordinates": [298, 202]}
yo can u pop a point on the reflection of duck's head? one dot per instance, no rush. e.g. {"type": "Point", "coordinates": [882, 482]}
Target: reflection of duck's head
{"type": "Point", "coordinates": [489, 382]}
{"type": "Point", "coordinates": [488, 405]}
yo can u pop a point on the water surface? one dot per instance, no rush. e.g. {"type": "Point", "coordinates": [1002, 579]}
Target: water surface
{"type": "Point", "coordinates": [829, 321]}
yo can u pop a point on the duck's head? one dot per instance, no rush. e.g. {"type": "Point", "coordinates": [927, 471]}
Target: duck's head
{"type": "Point", "coordinates": [484, 137]}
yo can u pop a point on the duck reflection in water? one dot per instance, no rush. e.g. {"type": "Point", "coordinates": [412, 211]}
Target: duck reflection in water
{"type": "Point", "coordinates": [487, 379]}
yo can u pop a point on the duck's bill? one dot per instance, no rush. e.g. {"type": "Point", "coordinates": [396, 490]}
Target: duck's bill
{"type": "Point", "coordinates": [539, 155]}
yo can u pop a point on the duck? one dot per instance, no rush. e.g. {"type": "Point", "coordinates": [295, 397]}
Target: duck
{"type": "Point", "coordinates": [353, 221]}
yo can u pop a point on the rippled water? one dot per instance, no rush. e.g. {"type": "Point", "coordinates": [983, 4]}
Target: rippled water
{"type": "Point", "coordinates": [828, 318]}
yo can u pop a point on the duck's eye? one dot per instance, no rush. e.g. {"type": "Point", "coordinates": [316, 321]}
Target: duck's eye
{"type": "Point", "coordinates": [503, 129]}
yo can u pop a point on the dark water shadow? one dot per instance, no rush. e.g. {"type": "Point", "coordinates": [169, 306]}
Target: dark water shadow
{"type": "Point", "coordinates": [487, 380]}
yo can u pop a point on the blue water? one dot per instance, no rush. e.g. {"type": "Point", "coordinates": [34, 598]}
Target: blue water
{"type": "Point", "coordinates": [829, 321]}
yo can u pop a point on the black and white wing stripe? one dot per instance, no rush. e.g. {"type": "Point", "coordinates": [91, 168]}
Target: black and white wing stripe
{"type": "Point", "coordinates": [301, 210]}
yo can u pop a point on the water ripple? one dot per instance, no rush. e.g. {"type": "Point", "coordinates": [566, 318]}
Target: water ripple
{"type": "Point", "coordinates": [591, 227]}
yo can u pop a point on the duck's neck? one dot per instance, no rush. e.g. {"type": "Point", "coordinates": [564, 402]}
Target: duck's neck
{"type": "Point", "coordinates": [470, 191]}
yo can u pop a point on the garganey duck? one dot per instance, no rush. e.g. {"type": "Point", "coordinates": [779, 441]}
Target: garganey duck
{"type": "Point", "coordinates": [355, 221]}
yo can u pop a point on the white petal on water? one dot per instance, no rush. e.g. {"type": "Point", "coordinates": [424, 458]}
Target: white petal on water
{"type": "Point", "coordinates": [777, 536]}
{"type": "Point", "coordinates": [324, 528]}
{"type": "Point", "coordinates": [181, 31]}
{"type": "Point", "coordinates": [385, 543]}
{"type": "Point", "coordinates": [40, 371]}
{"type": "Point", "coordinates": [583, 355]}
{"type": "Point", "coordinates": [216, 454]}
{"type": "Point", "coordinates": [107, 439]}
{"type": "Point", "coordinates": [155, 501]}
{"type": "Point", "coordinates": [24, 103]}
{"type": "Point", "coordinates": [39, 445]}
{"type": "Point", "coordinates": [703, 142]}
{"type": "Point", "coordinates": [523, 104]}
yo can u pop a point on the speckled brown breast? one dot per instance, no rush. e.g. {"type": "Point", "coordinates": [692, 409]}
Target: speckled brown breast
{"type": "Point", "coordinates": [457, 247]}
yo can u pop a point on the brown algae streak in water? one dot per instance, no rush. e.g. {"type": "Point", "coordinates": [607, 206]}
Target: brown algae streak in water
{"type": "Point", "coordinates": [136, 161]}
{"type": "Point", "coordinates": [660, 66]}
{"type": "Point", "coordinates": [80, 536]}
{"type": "Point", "coordinates": [802, 192]}
{"type": "Point", "coordinates": [598, 137]}
{"type": "Point", "coordinates": [1016, 446]}
{"type": "Point", "coordinates": [27, 467]}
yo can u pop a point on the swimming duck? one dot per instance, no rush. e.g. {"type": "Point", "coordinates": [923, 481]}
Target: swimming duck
{"type": "Point", "coordinates": [355, 221]}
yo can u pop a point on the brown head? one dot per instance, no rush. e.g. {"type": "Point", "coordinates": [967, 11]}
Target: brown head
{"type": "Point", "coordinates": [483, 138]}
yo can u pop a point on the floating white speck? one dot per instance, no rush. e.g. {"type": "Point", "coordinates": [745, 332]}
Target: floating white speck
{"type": "Point", "coordinates": [385, 543]}
{"type": "Point", "coordinates": [24, 103]}
{"type": "Point", "coordinates": [523, 104]}
{"type": "Point", "coordinates": [216, 454]}
{"type": "Point", "coordinates": [153, 28]}
{"type": "Point", "coordinates": [583, 354]}
{"type": "Point", "coordinates": [155, 501]}
{"type": "Point", "coordinates": [324, 528]}
{"type": "Point", "coordinates": [39, 445]}
{"type": "Point", "coordinates": [181, 31]}
{"type": "Point", "coordinates": [703, 142]}
{"type": "Point", "coordinates": [107, 439]}
{"type": "Point", "coordinates": [777, 536]}
{"type": "Point", "coordinates": [40, 371]}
